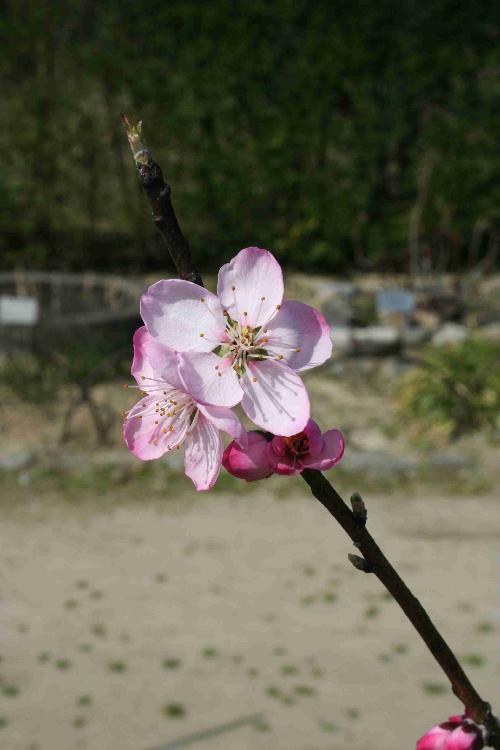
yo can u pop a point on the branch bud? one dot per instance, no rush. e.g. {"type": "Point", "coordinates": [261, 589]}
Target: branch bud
{"type": "Point", "coordinates": [360, 563]}
{"type": "Point", "coordinates": [359, 509]}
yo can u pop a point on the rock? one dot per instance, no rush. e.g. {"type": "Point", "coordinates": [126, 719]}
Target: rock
{"type": "Point", "coordinates": [414, 336]}
{"type": "Point", "coordinates": [381, 463]}
{"type": "Point", "coordinates": [335, 301]}
{"type": "Point", "coordinates": [426, 319]}
{"type": "Point", "coordinates": [14, 460]}
{"type": "Point", "coordinates": [450, 461]}
{"type": "Point", "coordinates": [490, 332]}
{"type": "Point", "coordinates": [342, 339]}
{"type": "Point", "coordinates": [376, 340]}
{"type": "Point", "coordinates": [450, 333]}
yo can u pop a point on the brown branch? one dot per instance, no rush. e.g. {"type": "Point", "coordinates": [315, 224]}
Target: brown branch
{"type": "Point", "coordinates": [353, 522]}
{"type": "Point", "coordinates": [377, 563]}
{"type": "Point", "coordinates": [158, 193]}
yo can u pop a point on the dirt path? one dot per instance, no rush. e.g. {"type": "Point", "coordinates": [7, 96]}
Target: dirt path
{"type": "Point", "coordinates": [133, 629]}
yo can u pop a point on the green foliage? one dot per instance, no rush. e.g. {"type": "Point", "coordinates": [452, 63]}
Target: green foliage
{"type": "Point", "coordinates": [455, 390]}
{"type": "Point", "coordinates": [312, 128]}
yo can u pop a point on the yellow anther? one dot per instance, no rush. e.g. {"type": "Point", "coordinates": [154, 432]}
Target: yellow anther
{"type": "Point", "coordinates": [164, 430]}
{"type": "Point", "coordinates": [171, 428]}
{"type": "Point", "coordinates": [278, 307]}
{"type": "Point", "coordinates": [143, 377]}
{"type": "Point", "coordinates": [298, 349]}
{"type": "Point", "coordinates": [254, 380]}
{"type": "Point", "coordinates": [202, 335]}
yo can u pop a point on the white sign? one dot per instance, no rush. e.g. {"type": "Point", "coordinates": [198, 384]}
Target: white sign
{"type": "Point", "coordinates": [396, 300]}
{"type": "Point", "coordinates": [18, 311]}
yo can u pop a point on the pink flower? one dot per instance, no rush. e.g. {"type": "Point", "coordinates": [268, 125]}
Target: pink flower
{"type": "Point", "coordinates": [253, 462]}
{"type": "Point", "coordinates": [458, 733]}
{"type": "Point", "coordinates": [261, 340]}
{"type": "Point", "coordinates": [168, 415]}
{"type": "Point", "coordinates": [307, 450]}
{"type": "Point", "coordinates": [261, 457]}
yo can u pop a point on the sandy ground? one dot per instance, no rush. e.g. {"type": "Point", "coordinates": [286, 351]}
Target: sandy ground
{"type": "Point", "coordinates": [147, 626]}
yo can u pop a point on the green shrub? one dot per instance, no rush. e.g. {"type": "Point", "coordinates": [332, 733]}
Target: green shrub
{"type": "Point", "coordinates": [454, 390]}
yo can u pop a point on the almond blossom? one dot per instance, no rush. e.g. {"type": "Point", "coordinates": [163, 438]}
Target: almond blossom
{"type": "Point", "coordinates": [261, 341]}
{"type": "Point", "coordinates": [168, 415]}
{"type": "Point", "coordinates": [264, 455]}
{"type": "Point", "coordinates": [458, 733]}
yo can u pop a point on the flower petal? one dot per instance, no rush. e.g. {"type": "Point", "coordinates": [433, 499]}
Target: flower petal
{"type": "Point", "coordinates": [145, 432]}
{"type": "Point", "coordinates": [464, 738]}
{"type": "Point", "coordinates": [210, 379]}
{"type": "Point", "coordinates": [299, 327]}
{"type": "Point", "coordinates": [333, 450]}
{"type": "Point", "coordinates": [287, 467]}
{"type": "Point", "coordinates": [250, 463]}
{"type": "Point", "coordinates": [183, 315]}
{"type": "Point", "coordinates": [203, 454]}
{"type": "Point", "coordinates": [226, 420]}
{"type": "Point", "coordinates": [152, 360]}
{"type": "Point", "coordinates": [434, 739]}
{"type": "Point", "coordinates": [314, 438]}
{"type": "Point", "coordinates": [275, 398]}
{"type": "Point", "coordinates": [250, 287]}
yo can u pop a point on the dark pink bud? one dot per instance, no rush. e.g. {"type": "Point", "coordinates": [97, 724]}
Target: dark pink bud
{"type": "Point", "coordinates": [250, 463]}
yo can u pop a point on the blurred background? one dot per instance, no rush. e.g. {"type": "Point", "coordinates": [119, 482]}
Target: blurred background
{"type": "Point", "coordinates": [359, 143]}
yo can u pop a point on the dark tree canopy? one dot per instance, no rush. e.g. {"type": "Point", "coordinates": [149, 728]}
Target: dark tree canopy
{"type": "Point", "coordinates": [337, 134]}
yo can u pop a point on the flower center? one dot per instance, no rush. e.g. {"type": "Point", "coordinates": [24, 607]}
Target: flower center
{"type": "Point", "coordinates": [297, 446]}
{"type": "Point", "coordinates": [244, 343]}
{"type": "Point", "coordinates": [173, 410]}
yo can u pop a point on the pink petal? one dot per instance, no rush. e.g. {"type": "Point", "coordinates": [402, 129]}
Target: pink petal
{"type": "Point", "coordinates": [278, 445]}
{"type": "Point", "coordinates": [251, 283]}
{"type": "Point", "coordinates": [333, 450]}
{"type": "Point", "coordinates": [287, 467]}
{"type": "Point", "coordinates": [275, 398]}
{"type": "Point", "coordinates": [203, 454]}
{"type": "Point", "coordinates": [153, 361]}
{"type": "Point", "coordinates": [183, 315]}
{"type": "Point", "coordinates": [315, 439]}
{"type": "Point", "coordinates": [210, 379]}
{"type": "Point", "coordinates": [464, 738]}
{"type": "Point", "coordinates": [250, 463]}
{"type": "Point", "coordinates": [226, 420]}
{"type": "Point", "coordinates": [434, 739]}
{"type": "Point", "coordinates": [145, 436]}
{"type": "Point", "coordinates": [298, 326]}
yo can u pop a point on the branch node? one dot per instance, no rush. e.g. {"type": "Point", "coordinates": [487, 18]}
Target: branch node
{"type": "Point", "coordinates": [360, 563]}
{"type": "Point", "coordinates": [359, 509]}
